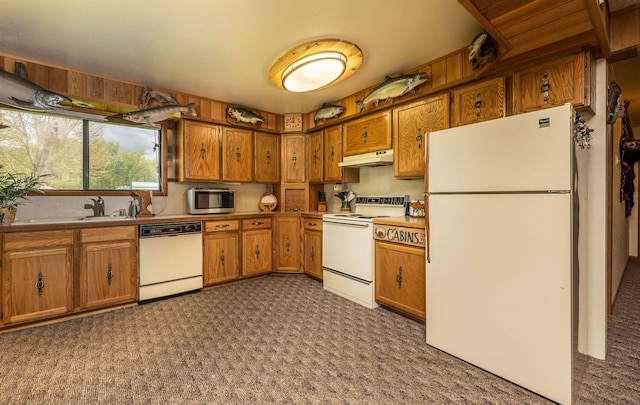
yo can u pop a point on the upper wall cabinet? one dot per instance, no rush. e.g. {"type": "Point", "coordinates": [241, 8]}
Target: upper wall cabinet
{"type": "Point", "coordinates": [564, 80]}
{"type": "Point", "coordinates": [478, 102]}
{"type": "Point", "coordinates": [294, 165]}
{"type": "Point", "coordinates": [314, 157]}
{"type": "Point", "coordinates": [267, 154]}
{"type": "Point", "coordinates": [411, 123]}
{"type": "Point", "coordinates": [199, 149]}
{"type": "Point", "coordinates": [237, 159]}
{"type": "Point", "coordinates": [368, 134]}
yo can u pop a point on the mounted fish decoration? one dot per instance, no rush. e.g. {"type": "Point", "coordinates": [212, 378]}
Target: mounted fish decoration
{"type": "Point", "coordinates": [393, 87]}
{"type": "Point", "coordinates": [21, 93]}
{"type": "Point", "coordinates": [149, 96]}
{"type": "Point", "coordinates": [328, 111]}
{"type": "Point", "coordinates": [481, 50]}
{"type": "Point", "coordinates": [156, 114]}
{"type": "Point", "coordinates": [614, 103]}
{"type": "Point", "coordinates": [245, 115]}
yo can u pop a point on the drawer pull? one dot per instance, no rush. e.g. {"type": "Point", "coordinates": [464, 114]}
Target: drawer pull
{"type": "Point", "coordinates": [222, 226]}
{"type": "Point", "coordinates": [222, 257]}
{"type": "Point", "coordinates": [257, 223]}
{"type": "Point", "coordinates": [399, 277]}
{"type": "Point", "coordinates": [287, 245]}
{"type": "Point", "coordinates": [202, 151]}
{"type": "Point", "coordinates": [312, 223]}
{"type": "Point", "coordinates": [257, 252]}
{"type": "Point", "coordinates": [313, 254]}
{"type": "Point", "coordinates": [40, 284]}
{"type": "Point", "coordinates": [109, 274]}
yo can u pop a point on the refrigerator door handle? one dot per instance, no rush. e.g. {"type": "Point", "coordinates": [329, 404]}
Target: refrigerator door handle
{"type": "Point", "coordinates": [426, 225]}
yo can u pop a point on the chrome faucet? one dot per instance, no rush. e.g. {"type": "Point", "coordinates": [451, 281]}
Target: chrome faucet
{"type": "Point", "coordinates": [97, 207]}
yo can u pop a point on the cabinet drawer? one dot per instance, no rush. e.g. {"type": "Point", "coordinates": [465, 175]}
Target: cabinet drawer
{"type": "Point", "coordinates": [256, 223]}
{"type": "Point", "coordinates": [220, 226]}
{"type": "Point", "coordinates": [31, 240]}
{"type": "Point", "coordinates": [312, 224]}
{"type": "Point", "coordinates": [108, 234]}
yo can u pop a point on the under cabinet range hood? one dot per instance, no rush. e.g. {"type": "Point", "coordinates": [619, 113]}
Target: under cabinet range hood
{"type": "Point", "coordinates": [379, 158]}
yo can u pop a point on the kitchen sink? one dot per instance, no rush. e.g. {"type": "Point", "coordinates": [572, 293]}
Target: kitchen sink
{"type": "Point", "coordinates": [59, 220]}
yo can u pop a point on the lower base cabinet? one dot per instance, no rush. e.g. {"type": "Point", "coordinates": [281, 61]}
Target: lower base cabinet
{"type": "Point", "coordinates": [109, 270]}
{"type": "Point", "coordinates": [312, 241]}
{"type": "Point", "coordinates": [221, 252]}
{"type": "Point", "coordinates": [400, 278]}
{"type": "Point", "coordinates": [256, 246]}
{"type": "Point", "coordinates": [37, 274]}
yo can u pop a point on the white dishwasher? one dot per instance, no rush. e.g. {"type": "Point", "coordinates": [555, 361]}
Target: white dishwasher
{"type": "Point", "coordinates": [170, 259]}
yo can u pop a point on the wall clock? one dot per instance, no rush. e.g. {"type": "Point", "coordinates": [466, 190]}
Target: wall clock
{"type": "Point", "coordinates": [293, 122]}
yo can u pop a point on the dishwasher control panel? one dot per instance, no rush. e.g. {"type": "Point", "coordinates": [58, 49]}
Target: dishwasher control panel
{"type": "Point", "coordinates": [169, 229]}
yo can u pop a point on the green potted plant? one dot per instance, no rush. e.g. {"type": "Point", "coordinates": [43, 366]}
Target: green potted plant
{"type": "Point", "coordinates": [14, 189]}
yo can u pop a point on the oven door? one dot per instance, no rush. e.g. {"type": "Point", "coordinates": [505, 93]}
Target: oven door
{"type": "Point", "coordinates": [347, 248]}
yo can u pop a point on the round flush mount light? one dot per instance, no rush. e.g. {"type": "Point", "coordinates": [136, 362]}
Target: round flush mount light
{"type": "Point", "coordinates": [315, 65]}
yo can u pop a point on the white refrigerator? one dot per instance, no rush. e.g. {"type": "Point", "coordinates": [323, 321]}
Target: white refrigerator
{"type": "Point", "coordinates": [501, 272]}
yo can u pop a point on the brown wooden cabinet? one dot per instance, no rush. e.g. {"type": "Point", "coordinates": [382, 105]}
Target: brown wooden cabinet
{"type": "Point", "coordinates": [109, 266]}
{"type": "Point", "coordinates": [553, 83]}
{"type": "Point", "coordinates": [312, 246]}
{"type": "Point", "coordinates": [198, 147]}
{"type": "Point", "coordinates": [37, 274]}
{"type": "Point", "coordinates": [400, 278]}
{"type": "Point", "coordinates": [368, 134]}
{"type": "Point", "coordinates": [267, 155]}
{"type": "Point", "coordinates": [288, 244]}
{"type": "Point", "coordinates": [314, 157]}
{"type": "Point", "coordinates": [237, 154]}
{"type": "Point", "coordinates": [411, 123]}
{"type": "Point", "coordinates": [256, 246]}
{"type": "Point", "coordinates": [221, 251]}
{"type": "Point", "coordinates": [477, 102]}
{"type": "Point", "coordinates": [332, 155]}
{"type": "Point", "coordinates": [293, 159]}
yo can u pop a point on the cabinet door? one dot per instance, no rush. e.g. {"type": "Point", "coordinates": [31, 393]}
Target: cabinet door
{"type": "Point", "coordinates": [267, 154]}
{"type": "Point", "coordinates": [288, 250]}
{"type": "Point", "coordinates": [314, 157]}
{"type": "Point", "coordinates": [411, 123]}
{"type": "Point", "coordinates": [201, 151]}
{"type": "Point", "coordinates": [400, 278]}
{"type": "Point", "coordinates": [237, 161]}
{"type": "Point", "coordinates": [478, 102]}
{"type": "Point", "coordinates": [332, 154]}
{"type": "Point", "coordinates": [108, 275]}
{"type": "Point", "coordinates": [37, 284]}
{"type": "Point", "coordinates": [256, 252]}
{"type": "Point", "coordinates": [549, 84]}
{"type": "Point", "coordinates": [293, 159]}
{"type": "Point", "coordinates": [369, 134]}
{"type": "Point", "coordinates": [313, 254]}
{"type": "Point", "coordinates": [221, 261]}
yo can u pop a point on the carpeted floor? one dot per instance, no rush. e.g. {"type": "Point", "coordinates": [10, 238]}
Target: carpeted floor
{"type": "Point", "coordinates": [277, 340]}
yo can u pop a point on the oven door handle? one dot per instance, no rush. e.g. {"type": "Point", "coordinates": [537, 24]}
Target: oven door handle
{"type": "Point", "coordinates": [347, 224]}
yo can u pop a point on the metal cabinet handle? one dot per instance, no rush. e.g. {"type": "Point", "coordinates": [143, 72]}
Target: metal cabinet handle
{"type": "Point", "coordinates": [222, 257]}
{"type": "Point", "coordinates": [39, 283]}
{"type": "Point", "coordinates": [294, 158]}
{"type": "Point", "coordinates": [315, 156]}
{"type": "Point", "coordinates": [237, 154]}
{"type": "Point", "coordinates": [332, 153]}
{"type": "Point", "coordinates": [313, 254]}
{"type": "Point", "coordinates": [364, 135]}
{"type": "Point", "coordinates": [222, 226]}
{"type": "Point", "coordinates": [287, 245]}
{"type": "Point", "coordinates": [257, 223]}
{"type": "Point", "coordinates": [399, 277]}
{"type": "Point", "coordinates": [311, 223]}
{"type": "Point", "coordinates": [268, 157]}
{"type": "Point", "coordinates": [202, 151]}
{"type": "Point", "coordinates": [545, 88]}
{"type": "Point", "coordinates": [109, 274]}
{"type": "Point", "coordinates": [419, 138]}
{"type": "Point", "coordinates": [478, 105]}
{"type": "Point", "coordinates": [257, 251]}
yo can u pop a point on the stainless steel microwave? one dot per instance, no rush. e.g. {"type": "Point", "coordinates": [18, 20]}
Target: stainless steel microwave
{"type": "Point", "coordinates": [210, 200]}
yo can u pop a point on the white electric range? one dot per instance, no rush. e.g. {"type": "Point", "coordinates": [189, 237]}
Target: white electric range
{"type": "Point", "coordinates": [348, 255]}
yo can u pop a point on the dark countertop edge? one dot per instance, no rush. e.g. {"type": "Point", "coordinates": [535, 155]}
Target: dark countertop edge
{"type": "Point", "coordinates": [150, 220]}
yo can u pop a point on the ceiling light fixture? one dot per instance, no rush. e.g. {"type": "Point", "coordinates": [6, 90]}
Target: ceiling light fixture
{"type": "Point", "coordinates": [315, 65]}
